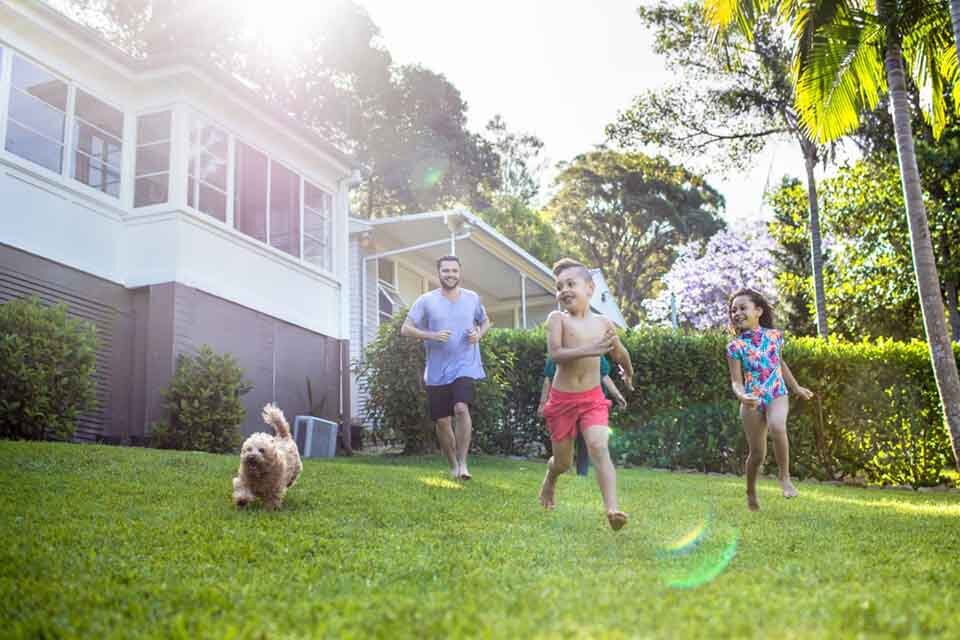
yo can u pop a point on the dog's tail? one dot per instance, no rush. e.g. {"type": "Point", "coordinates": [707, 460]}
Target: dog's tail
{"type": "Point", "coordinates": [273, 416]}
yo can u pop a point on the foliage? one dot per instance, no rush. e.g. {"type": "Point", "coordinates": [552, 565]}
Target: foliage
{"type": "Point", "coordinates": [625, 211]}
{"type": "Point", "coordinates": [729, 96]}
{"type": "Point", "coordinates": [520, 161]}
{"type": "Point", "coordinates": [392, 371]}
{"type": "Point", "coordinates": [369, 547]}
{"type": "Point", "coordinates": [527, 227]}
{"type": "Point", "coordinates": [702, 277]}
{"type": "Point", "coordinates": [871, 287]}
{"type": "Point", "coordinates": [404, 123]}
{"type": "Point", "coordinates": [48, 360]}
{"type": "Point", "coordinates": [203, 405]}
{"type": "Point", "coordinates": [791, 256]}
{"type": "Point", "coordinates": [682, 414]}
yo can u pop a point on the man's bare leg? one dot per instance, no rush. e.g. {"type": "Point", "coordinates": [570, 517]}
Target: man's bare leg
{"type": "Point", "coordinates": [448, 444]}
{"type": "Point", "coordinates": [559, 462]}
{"type": "Point", "coordinates": [777, 424]}
{"type": "Point", "coordinates": [462, 431]}
{"type": "Point", "coordinates": [755, 428]}
{"type": "Point", "coordinates": [596, 437]}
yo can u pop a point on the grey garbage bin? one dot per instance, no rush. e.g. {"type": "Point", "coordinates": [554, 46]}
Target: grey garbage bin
{"type": "Point", "coordinates": [315, 437]}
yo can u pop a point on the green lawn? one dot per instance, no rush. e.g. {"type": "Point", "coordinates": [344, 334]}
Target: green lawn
{"type": "Point", "coordinates": [110, 542]}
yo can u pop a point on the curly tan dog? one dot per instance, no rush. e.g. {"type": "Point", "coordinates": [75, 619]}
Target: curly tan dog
{"type": "Point", "coordinates": [269, 465]}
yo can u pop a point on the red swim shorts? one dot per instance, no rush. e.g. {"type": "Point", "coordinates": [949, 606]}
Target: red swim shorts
{"type": "Point", "coordinates": [566, 409]}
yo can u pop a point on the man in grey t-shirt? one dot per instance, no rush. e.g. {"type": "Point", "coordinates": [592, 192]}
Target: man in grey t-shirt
{"type": "Point", "coordinates": [450, 321]}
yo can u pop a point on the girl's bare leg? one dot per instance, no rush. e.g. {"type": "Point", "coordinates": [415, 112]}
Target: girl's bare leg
{"type": "Point", "coordinates": [777, 412]}
{"type": "Point", "coordinates": [755, 428]}
{"type": "Point", "coordinates": [559, 462]}
{"type": "Point", "coordinates": [596, 438]}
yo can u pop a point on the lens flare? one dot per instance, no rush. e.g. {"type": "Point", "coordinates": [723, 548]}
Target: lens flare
{"type": "Point", "coordinates": [699, 555]}
{"type": "Point", "coordinates": [428, 173]}
{"type": "Point", "coordinates": [440, 483]}
{"type": "Point", "coordinates": [688, 542]}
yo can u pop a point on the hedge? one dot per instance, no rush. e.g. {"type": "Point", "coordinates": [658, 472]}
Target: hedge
{"type": "Point", "coordinates": [876, 415]}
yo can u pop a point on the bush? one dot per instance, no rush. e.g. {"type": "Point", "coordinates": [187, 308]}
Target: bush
{"type": "Point", "coordinates": [48, 360]}
{"type": "Point", "coordinates": [876, 414]}
{"type": "Point", "coordinates": [203, 405]}
{"type": "Point", "coordinates": [392, 370]}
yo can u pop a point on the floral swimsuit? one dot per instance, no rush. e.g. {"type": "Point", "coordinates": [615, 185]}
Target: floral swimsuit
{"type": "Point", "coordinates": [758, 351]}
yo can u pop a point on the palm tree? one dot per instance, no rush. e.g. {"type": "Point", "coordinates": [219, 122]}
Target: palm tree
{"type": "Point", "coordinates": [845, 57]}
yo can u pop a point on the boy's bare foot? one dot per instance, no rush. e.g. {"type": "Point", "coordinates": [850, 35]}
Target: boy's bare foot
{"type": "Point", "coordinates": [547, 491]}
{"type": "Point", "coordinates": [464, 474]}
{"type": "Point", "coordinates": [617, 520]}
{"type": "Point", "coordinates": [752, 503]}
{"type": "Point", "coordinates": [789, 491]}
{"type": "Point", "coordinates": [455, 473]}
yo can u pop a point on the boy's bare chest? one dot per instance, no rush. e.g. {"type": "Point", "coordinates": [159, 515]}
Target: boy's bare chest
{"type": "Point", "coordinates": [577, 332]}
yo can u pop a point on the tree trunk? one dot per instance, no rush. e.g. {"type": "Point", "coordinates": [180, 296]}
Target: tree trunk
{"type": "Point", "coordinates": [928, 282]}
{"type": "Point", "coordinates": [816, 254]}
{"type": "Point", "coordinates": [955, 17]}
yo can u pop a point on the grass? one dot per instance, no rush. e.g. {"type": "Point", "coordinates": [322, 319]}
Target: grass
{"type": "Point", "coordinates": [104, 542]}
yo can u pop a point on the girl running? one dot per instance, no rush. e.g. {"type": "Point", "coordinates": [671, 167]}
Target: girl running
{"type": "Point", "coordinates": [760, 379]}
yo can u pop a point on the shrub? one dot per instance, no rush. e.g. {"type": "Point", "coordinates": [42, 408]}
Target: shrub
{"type": "Point", "coordinates": [392, 370]}
{"type": "Point", "coordinates": [876, 414]}
{"type": "Point", "coordinates": [202, 404]}
{"type": "Point", "coordinates": [48, 360]}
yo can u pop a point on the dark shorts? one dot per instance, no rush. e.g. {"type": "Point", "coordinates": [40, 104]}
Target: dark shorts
{"type": "Point", "coordinates": [441, 398]}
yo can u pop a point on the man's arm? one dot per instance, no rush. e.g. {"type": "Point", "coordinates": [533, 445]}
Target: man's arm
{"type": "Point", "coordinates": [559, 353]}
{"type": "Point", "coordinates": [410, 330]}
{"type": "Point", "coordinates": [477, 332]}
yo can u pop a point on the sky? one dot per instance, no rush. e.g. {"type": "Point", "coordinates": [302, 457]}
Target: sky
{"type": "Point", "coordinates": [558, 69]}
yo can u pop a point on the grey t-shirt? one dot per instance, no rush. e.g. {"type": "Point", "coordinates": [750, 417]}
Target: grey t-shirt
{"type": "Point", "coordinates": [456, 358]}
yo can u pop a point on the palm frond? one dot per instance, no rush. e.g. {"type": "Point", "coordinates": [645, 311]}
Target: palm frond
{"type": "Point", "coordinates": [931, 58]}
{"type": "Point", "coordinates": [838, 67]}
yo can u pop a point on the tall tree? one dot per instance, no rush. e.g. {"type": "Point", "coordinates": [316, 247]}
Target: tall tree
{"type": "Point", "coordinates": [521, 164]}
{"type": "Point", "coordinates": [732, 97]}
{"type": "Point", "coordinates": [406, 125]}
{"type": "Point", "coordinates": [791, 255]}
{"type": "Point", "coordinates": [627, 213]}
{"type": "Point", "coordinates": [846, 57]}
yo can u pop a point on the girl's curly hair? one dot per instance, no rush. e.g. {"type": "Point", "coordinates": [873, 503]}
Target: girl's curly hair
{"type": "Point", "coordinates": [766, 317]}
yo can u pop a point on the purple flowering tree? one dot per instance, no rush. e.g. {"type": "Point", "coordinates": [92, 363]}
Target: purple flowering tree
{"type": "Point", "coordinates": [703, 277]}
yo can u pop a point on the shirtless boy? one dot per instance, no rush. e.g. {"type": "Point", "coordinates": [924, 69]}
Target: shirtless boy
{"type": "Point", "coordinates": [576, 338]}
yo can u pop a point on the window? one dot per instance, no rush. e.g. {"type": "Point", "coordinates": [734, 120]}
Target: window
{"type": "Point", "coordinates": [284, 209]}
{"type": "Point", "coordinates": [390, 300]}
{"type": "Point", "coordinates": [317, 216]}
{"type": "Point", "coordinates": [152, 184]}
{"type": "Point", "coordinates": [97, 144]}
{"type": "Point", "coordinates": [207, 173]}
{"type": "Point", "coordinates": [250, 192]}
{"type": "Point", "coordinates": [37, 115]}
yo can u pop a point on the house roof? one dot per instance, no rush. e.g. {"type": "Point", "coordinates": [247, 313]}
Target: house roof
{"type": "Point", "coordinates": [603, 300]}
{"type": "Point", "coordinates": [182, 61]}
{"type": "Point", "coordinates": [492, 263]}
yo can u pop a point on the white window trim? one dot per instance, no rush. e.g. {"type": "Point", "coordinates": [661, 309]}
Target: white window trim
{"type": "Point", "coordinates": [64, 178]}
{"type": "Point", "coordinates": [190, 112]}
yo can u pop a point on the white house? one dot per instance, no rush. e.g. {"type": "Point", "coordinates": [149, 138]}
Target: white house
{"type": "Point", "coordinates": [165, 201]}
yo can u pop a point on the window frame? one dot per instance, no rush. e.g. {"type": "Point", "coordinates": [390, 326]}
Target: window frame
{"type": "Point", "coordinates": [63, 178]}
{"type": "Point", "coordinates": [171, 164]}
{"type": "Point", "coordinates": [191, 112]}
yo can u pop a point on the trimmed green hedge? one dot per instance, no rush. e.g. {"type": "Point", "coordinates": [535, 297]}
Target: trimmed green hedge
{"type": "Point", "coordinates": [876, 414]}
